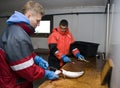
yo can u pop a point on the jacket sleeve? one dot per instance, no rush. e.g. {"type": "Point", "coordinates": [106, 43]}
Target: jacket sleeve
{"type": "Point", "coordinates": [20, 55]}
{"type": "Point", "coordinates": [74, 49]}
{"type": "Point", "coordinates": [52, 44]}
{"type": "Point", "coordinates": [27, 69]}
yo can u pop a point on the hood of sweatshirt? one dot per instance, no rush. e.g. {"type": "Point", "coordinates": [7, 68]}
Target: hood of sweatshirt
{"type": "Point", "coordinates": [18, 17]}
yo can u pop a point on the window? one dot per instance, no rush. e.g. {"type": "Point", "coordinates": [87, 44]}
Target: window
{"type": "Point", "coordinates": [45, 27]}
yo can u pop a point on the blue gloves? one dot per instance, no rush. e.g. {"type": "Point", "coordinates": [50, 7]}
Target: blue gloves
{"type": "Point", "coordinates": [65, 58]}
{"type": "Point", "coordinates": [41, 62]}
{"type": "Point", "coordinates": [80, 57]}
{"type": "Point", "coordinates": [50, 75]}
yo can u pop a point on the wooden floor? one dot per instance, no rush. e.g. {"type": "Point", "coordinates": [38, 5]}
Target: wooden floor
{"type": "Point", "coordinates": [90, 79]}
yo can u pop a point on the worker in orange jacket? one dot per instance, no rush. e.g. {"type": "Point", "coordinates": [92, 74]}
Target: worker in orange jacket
{"type": "Point", "coordinates": [60, 43]}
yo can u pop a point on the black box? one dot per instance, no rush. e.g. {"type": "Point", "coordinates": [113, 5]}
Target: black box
{"type": "Point", "coordinates": [87, 49]}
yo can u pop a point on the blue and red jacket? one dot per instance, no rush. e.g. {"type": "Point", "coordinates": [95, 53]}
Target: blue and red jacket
{"type": "Point", "coordinates": [17, 67]}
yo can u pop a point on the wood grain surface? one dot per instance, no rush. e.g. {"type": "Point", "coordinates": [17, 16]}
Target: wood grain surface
{"type": "Point", "coordinates": [90, 79]}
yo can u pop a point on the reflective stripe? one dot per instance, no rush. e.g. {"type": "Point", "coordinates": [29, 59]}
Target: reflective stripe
{"type": "Point", "coordinates": [74, 49]}
{"type": "Point", "coordinates": [56, 52]}
{"type": "Point", "coordinates": [23, 65]}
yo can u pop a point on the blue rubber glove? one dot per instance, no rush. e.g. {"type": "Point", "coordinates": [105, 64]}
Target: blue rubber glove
{"type": "Point", "coordinates": [41, 62]}
{"type": "Point", "coordinates": [50, 75]}
{"type": "Point", "coordinates": [65, 58]}
{"type": "Point", "coordinates": [80, 57]}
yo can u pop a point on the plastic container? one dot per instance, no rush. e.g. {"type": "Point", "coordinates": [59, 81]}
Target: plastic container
{"type": "Point", "coordinates": [87, 49]}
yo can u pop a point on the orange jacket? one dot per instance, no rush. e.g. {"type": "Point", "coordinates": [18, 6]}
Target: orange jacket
{"type": "Point", "coordinates": [63, 40]}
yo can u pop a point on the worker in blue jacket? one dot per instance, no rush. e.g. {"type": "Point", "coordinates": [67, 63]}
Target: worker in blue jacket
{"type": "Point", "coordinates": [19, 64]}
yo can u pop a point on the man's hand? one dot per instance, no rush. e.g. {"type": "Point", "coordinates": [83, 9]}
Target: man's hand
{"type": "Point", "coordinates": [66, 59]}
{"type": "Point", "coordinates": [41, 62]}
{"type": "Point", "coordinates": [50, 75]}
{"type": "Point", "coordinates": [81, 57]}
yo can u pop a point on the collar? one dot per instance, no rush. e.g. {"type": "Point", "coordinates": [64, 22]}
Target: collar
{"type": "Point", "coordinates": [27, 28]}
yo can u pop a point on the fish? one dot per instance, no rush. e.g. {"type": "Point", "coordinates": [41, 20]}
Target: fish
{"type": "Point", "coordinates": [72, 74]}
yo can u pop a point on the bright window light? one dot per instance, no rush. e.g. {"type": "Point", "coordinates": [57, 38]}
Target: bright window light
{"type": "Point", "coordinates": [44, 27]}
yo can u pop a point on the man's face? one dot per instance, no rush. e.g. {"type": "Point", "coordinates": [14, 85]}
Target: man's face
{"type": "Point", "coordinates": [63, 28]}
{"type": "Point", "coordinates": [35, 20]}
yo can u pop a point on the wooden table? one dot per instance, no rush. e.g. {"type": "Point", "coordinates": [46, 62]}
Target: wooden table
{"type": "Point", "coordinates": [90, 79]}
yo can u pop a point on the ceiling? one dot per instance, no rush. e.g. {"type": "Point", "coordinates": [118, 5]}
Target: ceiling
{"type": "Point", "coordinates": [12, 5]}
